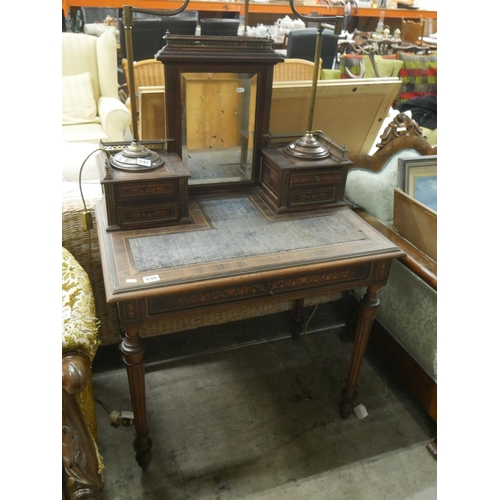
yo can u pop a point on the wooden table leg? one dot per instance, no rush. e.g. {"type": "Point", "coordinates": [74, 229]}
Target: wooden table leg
{"type": "Point", "coordinates": [367, 313]}
{"type": "Point", "coordinates": [133, 357]}
{"type": "Point", "coordinates": [297, 319]}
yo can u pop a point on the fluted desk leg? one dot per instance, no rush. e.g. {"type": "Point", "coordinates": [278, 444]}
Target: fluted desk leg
{"type": "Point", "coordinates": [133, 357]}
{"type": "Point", "coordinates": [367, 314]}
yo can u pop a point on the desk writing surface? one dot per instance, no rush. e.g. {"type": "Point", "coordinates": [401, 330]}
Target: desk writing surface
{"type": "Point", "coordinates": [235, 237]}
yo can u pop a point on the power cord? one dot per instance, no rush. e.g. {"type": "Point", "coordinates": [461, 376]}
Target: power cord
{"type": "Point", "coordinates": [87, 216]}
{"type": "Point", "coordinates": [117, 418]}
{"type": "Point", "coordinates": [310, 318]}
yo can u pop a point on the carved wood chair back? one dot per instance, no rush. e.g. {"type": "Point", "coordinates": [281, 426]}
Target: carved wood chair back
{"type": "Point", "coordinates": [411, 30]}
{"type": "Point", "coordinates": [401, 133]}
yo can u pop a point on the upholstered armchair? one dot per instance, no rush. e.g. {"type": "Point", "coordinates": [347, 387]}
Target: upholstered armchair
{"type": "Point", "coordinates": [91, 108]}
{"type": "Point", "coordinates": [82, 464]}
{"type": "Point", "coordinates": [408, 303]}
{"type": "Point", "coordinates": [302, 45]}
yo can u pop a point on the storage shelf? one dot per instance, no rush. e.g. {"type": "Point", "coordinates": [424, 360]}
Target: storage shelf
{"type": "Point", "coordinates": [276, 7]}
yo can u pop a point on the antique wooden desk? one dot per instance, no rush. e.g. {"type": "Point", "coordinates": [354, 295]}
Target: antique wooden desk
{"type": "Point", "coordinates": [237, 251]}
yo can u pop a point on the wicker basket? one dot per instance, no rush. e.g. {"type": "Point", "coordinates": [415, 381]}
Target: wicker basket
{"type": "Point", "coordinates": [76, 240]}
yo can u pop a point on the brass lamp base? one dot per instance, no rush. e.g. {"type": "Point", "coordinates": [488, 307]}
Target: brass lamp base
{"type": "Point", "coordinates": [308, 148]}
{"type": "Point", "coordinates": [136, 157]}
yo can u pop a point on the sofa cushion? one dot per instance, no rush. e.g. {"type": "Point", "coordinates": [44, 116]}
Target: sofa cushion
{"type": "Point", "coordinates": [330, 74]}
{"type": "Point", "coordinates": [418, 75]}
{"type": "Point", "coordinates": [78, 103]}
{"type": "Point", "coordinates": [374, 191]}
{"type": "Point", "coordinates": [351, 66]}
{"type": "Point", "coordinates": [354, 66]}
{"type": "Point", "coordinates": [386, 66]}
{"type": "Point", "coordinates": [73, 156]}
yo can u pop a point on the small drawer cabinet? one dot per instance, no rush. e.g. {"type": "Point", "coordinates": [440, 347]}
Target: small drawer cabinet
{"type": "Point", "coordinates": [290, 184]}
{"type": "Point", "coordinates": [138, 200]}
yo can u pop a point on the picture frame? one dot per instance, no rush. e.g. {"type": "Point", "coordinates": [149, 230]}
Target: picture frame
{"type": "Point", "coordinates": [417, 177]}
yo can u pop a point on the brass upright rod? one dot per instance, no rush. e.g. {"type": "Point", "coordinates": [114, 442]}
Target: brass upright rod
{"type": "Point", "coordinates": [127, 24]}
{"type": "Point", "coordinates": [246, 17]}
{"type": "Point", "coordinates": [317, 56]}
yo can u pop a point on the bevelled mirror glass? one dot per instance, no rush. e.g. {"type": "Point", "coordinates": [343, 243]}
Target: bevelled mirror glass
{"type": "Point", "coordinates": [218, 92]}
{"type": "Point", "coordinates": [218, 125]}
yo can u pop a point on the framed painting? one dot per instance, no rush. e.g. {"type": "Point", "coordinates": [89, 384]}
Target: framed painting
{"type": "Point", "coordinates": [417, 177]}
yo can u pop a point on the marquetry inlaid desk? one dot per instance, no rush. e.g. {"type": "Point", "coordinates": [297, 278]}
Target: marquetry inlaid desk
{"type": "Point", "coordinates": [237, 251]}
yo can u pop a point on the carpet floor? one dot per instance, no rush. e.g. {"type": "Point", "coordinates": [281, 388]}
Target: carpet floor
{"type": "Point", "coordinates": [242, 411]}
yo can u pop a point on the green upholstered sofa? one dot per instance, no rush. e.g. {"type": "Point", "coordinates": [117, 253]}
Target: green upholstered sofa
{"type": "Point", "coordinates": [408, 303]}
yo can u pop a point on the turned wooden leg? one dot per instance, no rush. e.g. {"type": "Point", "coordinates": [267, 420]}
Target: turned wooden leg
{"type": "Point", "coordinates": [367, 314]}
{"type": "Point", "coordinates": [297, 319]}
{"type": "Point", "coordinates": [133, 357]}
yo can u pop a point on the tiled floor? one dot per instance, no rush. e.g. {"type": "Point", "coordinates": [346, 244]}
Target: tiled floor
{"type": "Point", "coordinates": [236, 415]}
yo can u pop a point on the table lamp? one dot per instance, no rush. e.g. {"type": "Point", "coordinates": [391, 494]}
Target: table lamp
{"type": "Point", "coordinates": [308, 147]}
{"type": "Point", "coordinates": [137, 157]}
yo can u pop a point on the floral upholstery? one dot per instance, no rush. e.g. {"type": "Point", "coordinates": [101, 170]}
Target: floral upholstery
{"type": "Point", "coordinates": [79, 324]}
{"type": "Point", "coordinates": [79, 331]}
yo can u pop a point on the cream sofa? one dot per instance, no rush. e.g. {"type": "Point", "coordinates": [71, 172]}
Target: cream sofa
{"type": "Point", "coordinates": [91, 108]}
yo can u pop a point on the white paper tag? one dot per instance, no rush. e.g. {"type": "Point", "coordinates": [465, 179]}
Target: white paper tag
{"type": "Point", "coordinates": [127, 414]}
{"type": "Point", "coordinates": [142, 161]}
{"type": "Point", "coordinates": [148, 279]}
{"type": "Point", "coordinates": [131, 280]}
{"type": "Point", "coordinates": [240, 90]}
{"type": "Point", "coordinates": [360, 411]}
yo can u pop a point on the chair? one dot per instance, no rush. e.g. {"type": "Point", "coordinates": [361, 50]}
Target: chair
{"type": "Point", "coordinates": [147, 37]}
{"type": "Point", "coordinates": [219, 27]}
{"type": "Point", "coordinates": [411, 38]}
{"type": "Point", "coordinates": [302, 45]}
{"type": "Point", "coordinates": [180, 25]}
{"type": "Point", "coordinates": [412, 31]}
{"type": "Point", "coordinates": [81, 461]}
{"type": "Point", "coordinates": [147, 73]}
{"type": "Point", "coordinates": [92, 110]}
{"type": "Point", "coordinates": [294, 70]}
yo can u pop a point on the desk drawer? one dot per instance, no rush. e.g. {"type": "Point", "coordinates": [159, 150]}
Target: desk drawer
{"type": "Point", "coordinates": [321, 195]}
{"type": "Point", "coordinates": [147, 215]}
{"type": "Point", "coordinates": [297, 284]}
{"type": "Point", "coordinates": [314, 178]}
{"type": "Point", "coordinates": [150, 191]}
